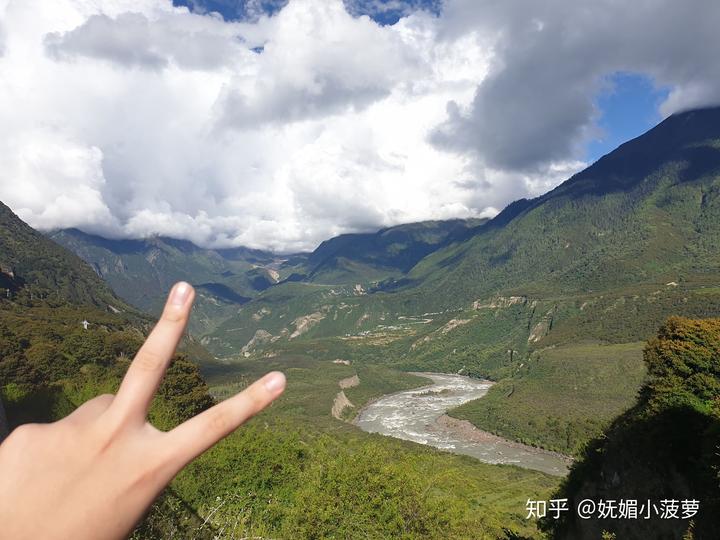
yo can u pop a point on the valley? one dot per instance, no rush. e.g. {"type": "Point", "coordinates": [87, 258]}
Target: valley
{"type": "Point", "coordinates": [539, 329]}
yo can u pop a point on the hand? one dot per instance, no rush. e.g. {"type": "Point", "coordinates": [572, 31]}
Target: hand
{"type": "Point", "coordinates": [94, 473]}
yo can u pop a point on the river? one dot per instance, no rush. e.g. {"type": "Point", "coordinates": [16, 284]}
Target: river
{"type": "Point", "coordinates": [419, 415]}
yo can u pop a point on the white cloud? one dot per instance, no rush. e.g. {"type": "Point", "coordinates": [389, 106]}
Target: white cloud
{"type": "Point", "coordinates": [133, 117]}
{"type": "Point", "coordinates": [59, 183]}
{"type": "Point", "coordinates": [537, 104]}
{"type": "Point", "coordinates": [156, 120]}
{"type": "Point", "coordinates": [136, 40]}
{"type": "Point", "coordinates": [318, 60]}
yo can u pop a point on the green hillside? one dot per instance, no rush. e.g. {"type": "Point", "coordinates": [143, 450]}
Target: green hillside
{"type": "Point", "coordinates": [649, 212]}
{"type": "Point", "coordinates": [562, 397]}
{"type": "Point", "coordinates": [33, 268]}
{"type": "Point", "coordinates": [387, 253]}
{"type": "Point", "coordinates": [602, 259]}
{"type": "Point", "coordinates": [65, 337]}
{"type": "Point", "coordinates": [293, 472]}
{"type": "Point", "coordinates": [142, 272]}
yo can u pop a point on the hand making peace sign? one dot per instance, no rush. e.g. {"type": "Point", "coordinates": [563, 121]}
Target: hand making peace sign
{"type": "Point", "coordinates": [94, 473]}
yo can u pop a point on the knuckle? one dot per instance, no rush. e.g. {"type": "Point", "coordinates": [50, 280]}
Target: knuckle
{"type": "Point", "coordinates": [174, 315]}
{"type": "Point", "coordinates": [150, 475]}
{"type": "Point", "coordinates": [23, 434]}
{"type": "Point", "coordinates": [258, 399]}
{"type": "Point", "coordinates": [220, 421]}
{"type": "Point", "coordinates": [109, 433]}
{"type": "Point", "coordinates": [149, 360]}
{"type": "Point", "coordinates": [104, 401]}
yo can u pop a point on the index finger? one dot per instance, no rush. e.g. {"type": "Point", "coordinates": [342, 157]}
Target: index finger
{"type": "Point", "coordinates": [148, 367]}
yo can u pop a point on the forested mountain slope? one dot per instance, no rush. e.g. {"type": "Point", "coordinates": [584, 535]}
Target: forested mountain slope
{"type": "Point", "coordinates": [647, 212]}
{"type": "Point", "coordinates": [142, 272]}
{"type": "Point", "coordinates": [31, 265]}
{"type": "Point", "coordinates": [63, 333]}
{"type": "Point", "coordinates": [636, 235]}
{"type": "Point", "coordinates": [389, 252]}
{"type": "Point", "coordinates": [65, 337]}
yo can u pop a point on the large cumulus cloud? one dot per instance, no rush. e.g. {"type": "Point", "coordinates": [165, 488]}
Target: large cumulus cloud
{"type": "Point", "coordinates": [552, 58]}
{"type": "Point", "coordinates": [135, 117]}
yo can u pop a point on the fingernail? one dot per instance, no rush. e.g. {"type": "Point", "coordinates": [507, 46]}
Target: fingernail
{"type": "Point", "coordinates": [274, 382]}
{"type": "Point", "coordinates": [180, 294]}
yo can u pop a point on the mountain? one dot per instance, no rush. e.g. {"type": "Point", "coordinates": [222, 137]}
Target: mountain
{"type": "Point", "coordinates": [64, 334]}
{"type": "Point", "coordinates": [389, 252]}
{"type": "Point", "coordinates": [142, 272]}
{"type": "Point", "coordinates": [552, 298]}
{"type": "Point", "coordinates": [646, 212]}
{"type": "Point", "coordinates": [643, 220]}
{"type": "Point", "coordinates": [34, 267]}
{"type": "Point", "coordinates": [59, 324]}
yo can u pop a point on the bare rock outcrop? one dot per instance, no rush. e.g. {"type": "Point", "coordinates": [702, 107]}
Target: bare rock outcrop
{"type": "Point", "coordinates": [542, 328]}
{"type": "Point", "coordinates": [500, 302]}
{"type": "Point", "coordinates": [261, 337]}
{"type": "Point", "coordinates": [305, 323]}
{"type": "Point", "coordinates": [452, 324]}
{"type": "Point", "coordinates": [340, 403]}
{"type": "Point", "coordinates": [350, 382]}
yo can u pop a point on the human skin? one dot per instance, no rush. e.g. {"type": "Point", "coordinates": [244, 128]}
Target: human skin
{"type": "Point", "coordinates": [94, 473]}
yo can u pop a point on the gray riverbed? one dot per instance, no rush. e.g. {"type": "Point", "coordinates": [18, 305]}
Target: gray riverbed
{"type": "Point", "coordinates": [419, 415]}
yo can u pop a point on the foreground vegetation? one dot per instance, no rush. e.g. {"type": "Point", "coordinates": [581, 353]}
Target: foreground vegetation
{"type": "Point", "coordinates": [313, 476]}
{"type": "Point", "coordinates": [562, 397]}
{"type": "Point", "coordinates": [666, 447]}
{"type": "Point", "coordinates": [294, 472]}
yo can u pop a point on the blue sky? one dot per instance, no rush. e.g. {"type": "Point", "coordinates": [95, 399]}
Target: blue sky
{"type": "Point", "coordinates": [628, 107]}
{"type": "Point", "coordinates": [381, 11]}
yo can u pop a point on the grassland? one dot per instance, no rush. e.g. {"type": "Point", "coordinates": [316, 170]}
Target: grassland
{"type": "Point", "coordinates": [562, 396]}
{"type": "Point", "coordinates": [295, 471]}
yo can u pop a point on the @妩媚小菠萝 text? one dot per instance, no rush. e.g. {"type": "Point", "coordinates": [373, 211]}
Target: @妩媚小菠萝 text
{"type": "Point", "coordinates": [614, 508]}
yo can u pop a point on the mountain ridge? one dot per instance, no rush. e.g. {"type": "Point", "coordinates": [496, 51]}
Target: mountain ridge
{"type": "Point", "coordinates": [41, 268]}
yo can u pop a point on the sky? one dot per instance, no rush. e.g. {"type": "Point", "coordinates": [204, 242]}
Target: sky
{"type": "Point", "coordinates": [277, 124]}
